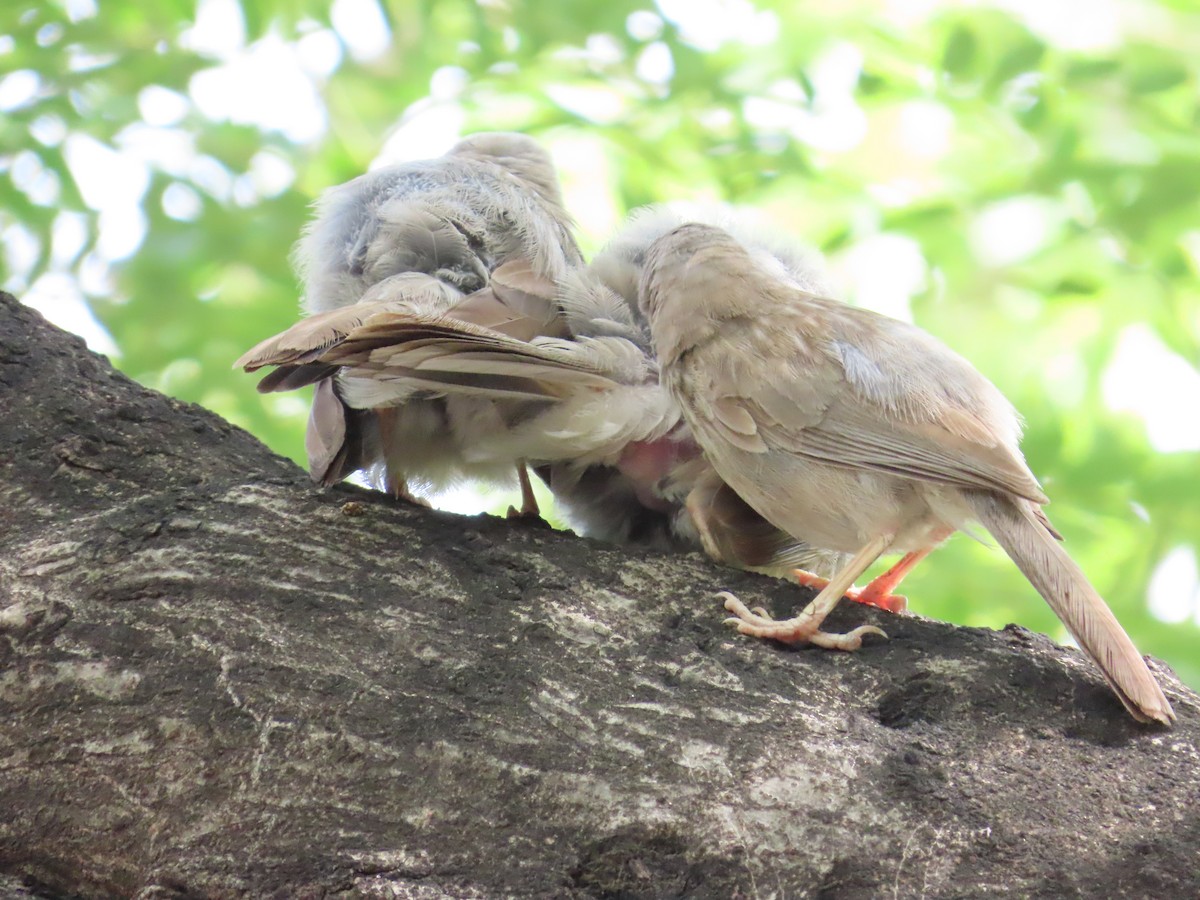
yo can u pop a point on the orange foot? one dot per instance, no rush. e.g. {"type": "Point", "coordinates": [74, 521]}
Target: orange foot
{"type": "Point", "coordinates": [874, 594]}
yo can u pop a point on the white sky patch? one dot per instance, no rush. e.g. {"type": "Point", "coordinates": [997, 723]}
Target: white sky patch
{"type": "Point", "coordinates": [320, 52]}
{"type": "Point", "coordinates": [270, 173]}
{"type": "Point", "coordinates": [113, 184]}
{"type": "Point", "coordinates": [595, 102]}
{"type": "Point", "coordinates": [926, 128]}
{"type": "Point", "coordinates": [511, 39]}
{"type": "Point", "coordinates": [709, 24]}
{"type": "Point", "coordinates": [1021, 93]}
{"type": "Point", "coordinates": [599, 50]}
{"type": "Point", "coordinates": [265, 86]}
{"type": "Point", "coordinates": [1173, 594]}
{"type": "Point", "coordinates": [426, 130]}
{"type": "Point", "coordinates": [78, 10]}
{"type": "Point", "coordinates": [106, 178]}
{"type": "Point", "coordinates": [1145, 377]}
{"type": "Point", "coordinates": [835, 123]}
{"type": "Point", "coordinates": [363, 28]}
{"type": "Point", "coordinates": [585, 174]}
{"type": "Point", "coordinates": [1012, 230]}
{"type": "Point", "coordinates": [83, 60]}
{"type": "Point", "coordinates": [882, 273]}
{"type": "Point", "coordinates": [48, 130]}
{"type": "Point", "coordinates": [122, 230]}
{"type": "Point", "coordinates": [210, 175]}
{"type": "Point", "coordinates": [1067, 377]}
{"type": "Point", "coordinates": [49, 34]}
{"type": "Point", "coordinates": [448, 82]}
{"type": "Point", "coordinates": [56, 296]}
{"type": "Point", "coordinates": [162, 106]}
{"type": "Point", "coordinates": [909, 12]}
{"type": "Point", "coordinates": [21, 249]}
{"type": "Point", "coordinates": [95, 276]}
{"type": "Point", "coordinates": [655, 64]}
{"type": "Point", "coordinates": [31, 177]}
{"type": "Point", "coordinates": [1065, 24]}
{"type": "Point", "coordinates": [181, 202]}
{"type": "Point", "coordinates": [169, 150]}
{"type": "Point", "coordinates": [69, 237]}
{"type": "Point", "coordinates": [466, 500]}
{"type": "Point", "coordinates": [643, 25]}
{"type": "Point", "coordinates": [219, 29]}
{"type": "Point", "coordinates": [770, 114]}
{"type": "Point", "coordinates": [18, 89]}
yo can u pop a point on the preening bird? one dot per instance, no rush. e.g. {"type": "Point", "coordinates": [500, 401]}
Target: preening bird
{"type": "Point", "coordinates": [854, 432]}
{"type": "Point", "coordinates": [587, 411]}
{"type": "Point", "coordinates": [653, 485]}
{"type": "Point", "coordinates": [481, 229]}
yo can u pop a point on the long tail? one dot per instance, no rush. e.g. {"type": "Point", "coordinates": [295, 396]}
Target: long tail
{"type": "Point", "coordinates": [1022, 531]}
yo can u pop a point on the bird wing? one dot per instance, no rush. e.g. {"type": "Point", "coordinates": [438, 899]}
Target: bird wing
{"type": "Point", "coordinates": [455, 356]}
{"type": "Point", "coordinates": [847, 387]}
{"type": "Point", "coordinates": [517, 304]}
{"type": "Point", "coordinates": [298, 352]}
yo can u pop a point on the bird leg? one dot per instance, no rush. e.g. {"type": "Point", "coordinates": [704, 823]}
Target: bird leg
{"type": "Point", "coordinates": [394, 482]}
{"type": "Point", "coordinates": [700, 518]}
{"type": "Point", "coordinates": [805, 627]}
{"type": "Point", "coordinates": [395, 485]}
{"type": "Point", "coordinates": [879, 592]}
{"type": "Point", "coordinates": [529, 505]}
{"type": "Point", "coordinates": [893, 603]}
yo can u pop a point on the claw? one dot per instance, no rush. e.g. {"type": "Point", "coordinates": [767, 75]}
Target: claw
{"type": "Point", "coordinates": [804, 628]}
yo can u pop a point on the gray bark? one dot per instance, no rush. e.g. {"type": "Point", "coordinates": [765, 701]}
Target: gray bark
{"type": "Point", "coordinates": [219, 681]}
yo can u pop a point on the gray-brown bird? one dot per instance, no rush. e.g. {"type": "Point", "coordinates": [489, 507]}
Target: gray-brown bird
{"type": "Point", "coordinates": [588, 411]}
{"type": "Point", "coordinates": [858, 433]}
{"type": "Point", "coordinates": [481, 229]}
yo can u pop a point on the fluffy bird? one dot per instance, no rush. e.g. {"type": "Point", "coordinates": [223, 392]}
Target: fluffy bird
{"type": "Point", "coordinates": [588, 411]}
{"type": "Point", "coordinates": [855, 432]}
{"type": "Point", "coordinates": [654, 481]}
{"type": "Point", "coordinates": [481, 230]}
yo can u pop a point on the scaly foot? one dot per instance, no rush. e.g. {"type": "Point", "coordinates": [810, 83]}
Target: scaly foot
{"type": "Point", "coordinates": [802, 629]}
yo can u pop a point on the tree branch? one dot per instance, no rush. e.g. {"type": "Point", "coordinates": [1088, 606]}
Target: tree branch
{"type": "Point", "coordinates": [218, 680]}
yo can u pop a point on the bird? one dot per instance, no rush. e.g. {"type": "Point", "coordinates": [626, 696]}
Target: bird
{"type": "Point", "coordinates": [588, 411]}
{"type": "Point", "coordinates": [482, 229]}
{"type": "Point", "coordinates": [856, 432]}
{"type": "Point", "coordinates": [659, 485]}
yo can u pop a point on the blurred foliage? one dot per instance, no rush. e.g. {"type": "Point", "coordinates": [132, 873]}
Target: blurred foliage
{"type": "Point", "coordinates": [1030, 196]}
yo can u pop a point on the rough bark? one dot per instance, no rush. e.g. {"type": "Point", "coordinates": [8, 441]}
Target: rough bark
{"type": "Point", "coordinates": [219, 681]}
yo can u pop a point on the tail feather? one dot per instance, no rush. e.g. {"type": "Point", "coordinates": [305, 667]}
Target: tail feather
{"type": "Point", "coordinates": [1026, 535]}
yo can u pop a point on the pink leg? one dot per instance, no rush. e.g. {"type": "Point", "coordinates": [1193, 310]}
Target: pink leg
{"type": "Point", "coordinates": [874, 593]}
{"type": "Point", "coordinates": [529, 505]}
{"type": "Point", "coordinates": [879, 591]}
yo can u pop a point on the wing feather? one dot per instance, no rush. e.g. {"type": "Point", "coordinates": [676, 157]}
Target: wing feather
{"type": "Point", "coordinates": [843, 408]}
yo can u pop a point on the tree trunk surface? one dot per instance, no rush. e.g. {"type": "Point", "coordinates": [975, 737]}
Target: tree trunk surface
{"type": "Point", "coordinates": [217, 680]}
